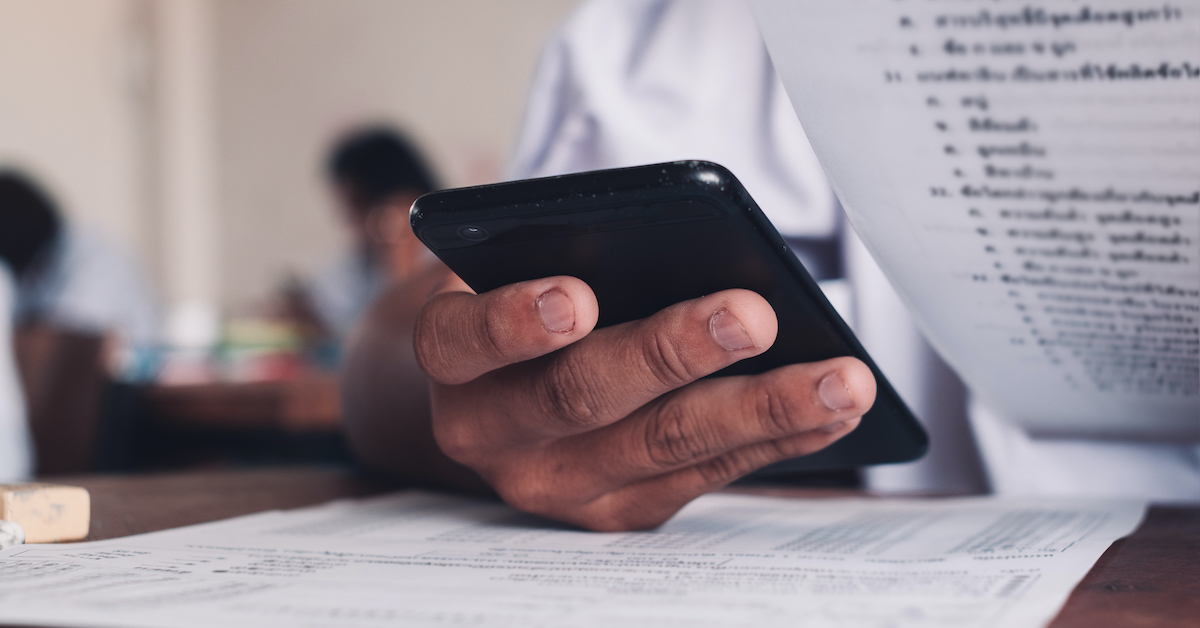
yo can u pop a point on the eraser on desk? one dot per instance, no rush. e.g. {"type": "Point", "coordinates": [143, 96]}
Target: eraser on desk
{"type": "Point", "coordinates": [49, 513]}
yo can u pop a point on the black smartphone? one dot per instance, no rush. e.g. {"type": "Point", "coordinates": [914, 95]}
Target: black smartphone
{"type": "Point", "coordinates": [648, 237]}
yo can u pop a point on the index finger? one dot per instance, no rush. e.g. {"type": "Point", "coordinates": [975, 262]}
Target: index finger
{"type": "Point", "coordinates": [460, 335]}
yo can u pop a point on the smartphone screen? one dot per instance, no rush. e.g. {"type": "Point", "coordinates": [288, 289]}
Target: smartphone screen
{"type": "Point", "coordinates": [649, 237]}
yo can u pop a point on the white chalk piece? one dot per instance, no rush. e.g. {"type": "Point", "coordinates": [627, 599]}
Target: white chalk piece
{"type": "Point", "coordinates": [11, 534]}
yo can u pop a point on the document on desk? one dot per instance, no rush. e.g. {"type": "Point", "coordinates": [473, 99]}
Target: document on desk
{"type": "Point", "coordinates": [1027, 174]}
{"type": "Point", "coordinates": [421, 559]}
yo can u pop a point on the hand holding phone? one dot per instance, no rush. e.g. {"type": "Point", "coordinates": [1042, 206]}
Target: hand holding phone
{"type": "Point", "coordinates": [577, 402]}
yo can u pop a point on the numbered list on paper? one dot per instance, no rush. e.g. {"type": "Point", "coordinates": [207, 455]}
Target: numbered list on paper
{"type": "Point", "coordinates": [1028, 174]}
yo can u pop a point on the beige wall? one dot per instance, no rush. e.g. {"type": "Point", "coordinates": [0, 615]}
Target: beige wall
{"type": "Point", "coordinates": [73, 83]}
{"type": "Point", "coordinates": [293, 74]}
{"type": "Point", "coordinates": [116, 104]}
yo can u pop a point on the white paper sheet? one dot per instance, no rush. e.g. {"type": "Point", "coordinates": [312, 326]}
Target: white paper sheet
{"type": "Point", "coordinates": [1028, 176]}
{"type": "Point", "coordinates": [421, 559]}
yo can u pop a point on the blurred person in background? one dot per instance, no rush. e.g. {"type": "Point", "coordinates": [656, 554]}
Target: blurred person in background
{"type": "Point", "coordinates": [74, 279]}
{"type": "Point", "coordinates": [61, 284]}
{"type": "Point", "coordinates": [376, 173]}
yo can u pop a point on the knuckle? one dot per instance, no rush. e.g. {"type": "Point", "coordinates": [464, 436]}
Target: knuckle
{"type": "Point", "coordinates": [528, 493]}
{"type": "Point", "coordinates": [568, 394]}
{"type": "Point", "coordinates": [778, 412]}
{"type": "Point", "coordinates": [443, 336]}
{"type": "Point", "coordinates": [675, 437]}
{"type": "Point", "coordinates": [719, 470]}
{"type": "Point", "coordinates": [665, 361]}
{"type": "Point", "coordinates": [427, 345]}
{"type": "Point", "coordinates": [457, 440]}
{"type": "Point", "coordinates": [733, 465]}
{"type": "Point", "coordinates": [493, 338]}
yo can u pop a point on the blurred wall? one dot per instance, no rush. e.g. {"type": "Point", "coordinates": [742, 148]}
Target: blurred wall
{"type": "Point", "coordinates": [293, 74]}
{"type": "Point", "coordinates": [73, 93]}
{"type": "Point", "coordinates": [193, 131]}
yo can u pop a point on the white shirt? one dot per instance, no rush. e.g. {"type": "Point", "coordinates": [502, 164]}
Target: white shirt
{"type": "Point", "coordinates": [16, 446]}
{"type": "Point", "coordinates": [637, 82]}
{"type": "Point", "coordinates": [89, 284]}
{"type": "Point", "coordinates": [627, 82]}
{"type": "Point", "coordinates": [342, 290]}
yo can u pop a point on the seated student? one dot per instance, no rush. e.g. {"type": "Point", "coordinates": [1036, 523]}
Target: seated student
{"type": "Point", "coordinates": [61, 277]}
{"type": "Point", "coordinates": [71, 278]}
{"type": "Point", "coordinates": [376, 174]}
{"type": "Point", "coordinates": [638, 81]}
{"type": "Point", "coordinates": [608, 429]}
{"type": "Point", "coordinates": [627, 82]}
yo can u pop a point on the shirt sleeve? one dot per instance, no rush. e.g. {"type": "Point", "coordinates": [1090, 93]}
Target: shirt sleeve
{"type": "Point", "coordinates": [630, 82]}
{"type": "Point", "coordinates": [94, 286]}
{"type": "Point", "coordinates": [16, 447]}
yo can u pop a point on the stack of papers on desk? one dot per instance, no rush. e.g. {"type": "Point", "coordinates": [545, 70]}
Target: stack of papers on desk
{"type": "Point", "coordinates": [421, 559]}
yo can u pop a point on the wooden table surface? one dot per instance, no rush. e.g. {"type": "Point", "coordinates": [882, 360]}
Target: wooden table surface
{"type": "Point", "coordinates": [1151, 578]}
{"type": "Point", "coordinates": [133, 504]}
{"type": "Point", "coordinates": [310, 403]}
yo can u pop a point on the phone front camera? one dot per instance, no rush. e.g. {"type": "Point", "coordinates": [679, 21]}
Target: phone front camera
{"type": "Point", "coordinates": [471, 232]}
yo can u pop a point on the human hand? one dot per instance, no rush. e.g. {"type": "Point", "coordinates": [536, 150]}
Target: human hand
{"type": "Point", "coordinates": [613, 429]}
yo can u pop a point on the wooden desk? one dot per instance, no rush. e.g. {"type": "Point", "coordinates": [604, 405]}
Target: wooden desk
{"type": "Point", "coordinates": [123, 505]}
{"type": "Point", "coordinates": [1151, 578]}
{"type": "Point", "coordinates": [307, 404]}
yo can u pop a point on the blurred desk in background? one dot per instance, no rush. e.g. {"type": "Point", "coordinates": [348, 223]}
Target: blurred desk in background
{"type": "Point", "coordinates": [83, 421]}
{"type": "Point", "coordinates": [63, 379]}
{"type": "Point", "coordinates": [307, 404]}
{"type": "Point", "coordinates": [1148, 579]}
{"type": "Point", "coordinates": [290, 421]}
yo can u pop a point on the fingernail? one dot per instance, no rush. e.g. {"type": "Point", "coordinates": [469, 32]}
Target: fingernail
{"type": "Point", "coordinates": [834, 393]}
{"type": "Point", "coordinates": [729, 331]}
{"type": "Point", "coordinates": [557, 311]}
{"type": "Point", "coordinates": [833, 427]}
